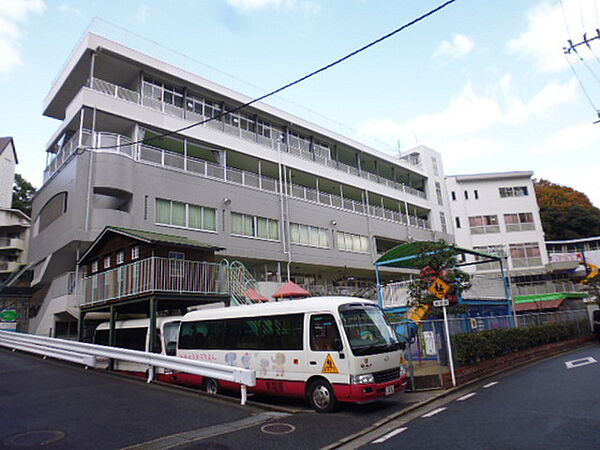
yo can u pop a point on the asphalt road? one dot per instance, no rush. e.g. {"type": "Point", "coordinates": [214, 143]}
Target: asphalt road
{"type": "Point", "coordinates": [542, 406]}
{"type": "Point", "coordinates": [67, 407]}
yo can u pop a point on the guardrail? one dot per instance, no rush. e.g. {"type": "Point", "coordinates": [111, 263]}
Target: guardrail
{"type": "Point", "coordinates": [86, 354]}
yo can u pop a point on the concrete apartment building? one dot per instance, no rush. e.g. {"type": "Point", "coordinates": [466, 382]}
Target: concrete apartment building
{"type": "Point", "coordinates": [14, 224]}
{"type": "Point", "coordinates": [498, 213]}
{"type": "Point", "coordinates": [288, 198]}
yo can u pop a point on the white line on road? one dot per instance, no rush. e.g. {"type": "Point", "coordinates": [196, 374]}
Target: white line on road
{"type": "Point", "coordinates": [493, 383]}
{"type": "Point", "coordinates": [580, 362]}
{"type": "Point", "coordinates": [464, 397]}
{"type": "Point", "coordinates": [385, 437]}
{"type": "Point", "coordinates": [434, 412]}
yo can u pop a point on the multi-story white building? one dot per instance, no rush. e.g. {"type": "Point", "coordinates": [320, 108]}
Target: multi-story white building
{"type": "Point", "coordinates": [498, 213]}
{"type": "Point", "coordinates": [285, 196]}
{"type": "Point", "coordinates": [14, 224]}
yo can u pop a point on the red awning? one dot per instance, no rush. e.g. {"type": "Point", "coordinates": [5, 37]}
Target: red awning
{"type": "Point", "coordinates": [291, 289]}
{"type": "Point", "coordinates": [538, 306]}
{"type": "Point", "coordinates": [255, 296]}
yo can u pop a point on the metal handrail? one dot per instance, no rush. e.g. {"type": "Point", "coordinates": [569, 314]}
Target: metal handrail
{"type": "Point", "coordinates": [86, 354]}
{"type": "Point", "coordinates": [301, 151]}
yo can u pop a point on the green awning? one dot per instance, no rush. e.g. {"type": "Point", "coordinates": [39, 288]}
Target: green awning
{"type": "Point", "coordinates": [548, 297]}
{"type": "Point", "coordinates": [405, 255]}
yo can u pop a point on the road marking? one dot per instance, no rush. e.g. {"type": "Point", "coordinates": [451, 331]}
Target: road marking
{"type": "Point", "coordinates": [493, 383]}
{"type": "Point", "coordinates": [464, 397]}
{"type": "Point", "coordinates": [385, 437]}
{"type": "Point", "coordinates": [580, 362]}
{"type": "Point", "coordinates": [434, 412]}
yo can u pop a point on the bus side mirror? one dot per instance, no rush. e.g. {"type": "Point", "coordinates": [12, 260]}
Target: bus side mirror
{"type": "Point", "coordinates": [171, 348]}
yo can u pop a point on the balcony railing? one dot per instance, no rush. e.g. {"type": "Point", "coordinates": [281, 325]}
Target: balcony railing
{"type": "Point", "coordinates": [12, 243]}
{"type": "Point", "coordinates": [156, 275]}
{"type": "Point", "coordinates": [301, 152]}
{"type": "Point", "coordinates": [111, 142]}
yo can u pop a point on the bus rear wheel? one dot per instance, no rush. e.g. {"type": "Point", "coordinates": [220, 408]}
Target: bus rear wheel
{"type": "Point", "coordinates": [212, 386]}
{"type": "Point", "coordinates": [321, 396]}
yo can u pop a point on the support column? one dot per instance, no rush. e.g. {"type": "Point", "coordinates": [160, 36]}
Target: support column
{"type": "Point", "coordinates": [81, 326]}
{"type": "Point", "coordinates": [112, 334]}
{"type": "Point", "coordinates": [152, 328]}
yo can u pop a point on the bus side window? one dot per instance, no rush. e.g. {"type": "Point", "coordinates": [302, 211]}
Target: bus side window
{"type": "Point", "coordinates": [324, 334]}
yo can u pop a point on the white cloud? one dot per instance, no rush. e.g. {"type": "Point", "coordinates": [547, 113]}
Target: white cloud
{"type": "Point", "coordinates": [547, 34]}
{"type": "Point", "coordinates": [459, 47]}
{"type": "Point", "coordinates": [308, 7]}
{"type": "Point", "coordinates": [142, 12]}
{"type": "Point", "coordinates": [13, 13]}
{"type": "Point", "coordinates": [571, 140]}
{"type": "Point", "coordinates": [67, 8]}
{"type": "Point", "coordinates": [470, 112]}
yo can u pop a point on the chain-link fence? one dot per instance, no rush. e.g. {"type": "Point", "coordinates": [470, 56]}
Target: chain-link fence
{"type": "Point", "coordinates": [426, 354]}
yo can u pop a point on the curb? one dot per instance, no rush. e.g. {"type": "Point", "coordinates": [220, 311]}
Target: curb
{"type": "Point", "coordinates": [445, 393]}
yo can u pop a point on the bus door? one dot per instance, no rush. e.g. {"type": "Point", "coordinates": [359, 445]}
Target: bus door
{"type": "Point", "coordinates": [326, 353]}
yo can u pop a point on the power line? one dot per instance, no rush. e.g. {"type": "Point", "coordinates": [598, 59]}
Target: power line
{"type": "Point", "coordinates": [287, 86]}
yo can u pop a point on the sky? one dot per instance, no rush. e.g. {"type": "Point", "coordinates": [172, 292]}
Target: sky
{"type": "Point", "coordinates": [485, 83]}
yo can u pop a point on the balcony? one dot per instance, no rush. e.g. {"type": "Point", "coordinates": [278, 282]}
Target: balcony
{"type": "Point", "coordinates": [156, 156]}
{"type": "Point", "coordinates": [9, 266]}
{"type": "Point", "coordinates": [156, 275]}
{"type": "Point", "coordinates": [7, 243]}
{"type": "Point", "coordinates": [273, 142]}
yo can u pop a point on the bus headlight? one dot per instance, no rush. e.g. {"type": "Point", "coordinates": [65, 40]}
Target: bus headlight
{"type": "Point", "coordinates": [365, 378]}
{"type": "Point", "coordinates": [402, 370]}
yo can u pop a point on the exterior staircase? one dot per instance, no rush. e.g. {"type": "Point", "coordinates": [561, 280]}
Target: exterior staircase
{"type": "Point", "coordinates": [240, 282]}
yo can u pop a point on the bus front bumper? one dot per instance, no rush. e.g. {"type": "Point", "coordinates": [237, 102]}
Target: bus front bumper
{"type": "Point", "coordinates": [364, 393]}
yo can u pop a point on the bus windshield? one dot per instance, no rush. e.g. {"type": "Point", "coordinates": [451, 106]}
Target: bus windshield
{"type": "Point", "coordinates": [367, 329]}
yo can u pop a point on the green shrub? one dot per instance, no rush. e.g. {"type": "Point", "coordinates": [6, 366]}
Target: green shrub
{"type": "Point", "coordinates": [470, 348]}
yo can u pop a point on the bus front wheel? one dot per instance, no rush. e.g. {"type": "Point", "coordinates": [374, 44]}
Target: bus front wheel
{"type": "Point", "coordinates": [321, 396]}
{"type": "Point", "coordinates": [212, 386]}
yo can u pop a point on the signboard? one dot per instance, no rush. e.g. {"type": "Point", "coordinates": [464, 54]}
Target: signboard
{"type": "Point", "coordinates": [8, 319]}
{"type": "Point", "coordinates": [439, 303]}
{"type": "Point", "coordinates": [429, 343]}
{"type": "Point", "coordinates": [439, 288]}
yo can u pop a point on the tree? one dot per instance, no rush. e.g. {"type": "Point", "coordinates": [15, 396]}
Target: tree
{"type": "Point", "coordinates": [23, 192]}
{"type": "Point", "coordinates": [565, 212]}
{"type": "Point", "coordinates": [436, 260]}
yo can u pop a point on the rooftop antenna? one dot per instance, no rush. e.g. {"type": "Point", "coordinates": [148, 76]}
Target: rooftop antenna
{"type": "Point", "coordinates": [398, 147]}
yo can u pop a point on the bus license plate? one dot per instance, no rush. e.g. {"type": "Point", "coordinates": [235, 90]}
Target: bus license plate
{"type": "Point", "coordinates": [389, 390]}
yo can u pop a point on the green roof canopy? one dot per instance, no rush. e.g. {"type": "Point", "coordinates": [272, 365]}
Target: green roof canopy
{"type": "Point", "coordinates": [548, 297]}
{"type": "Point", "coordinates": [405, 255]}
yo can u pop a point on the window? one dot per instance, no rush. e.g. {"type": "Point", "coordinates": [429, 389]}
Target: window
{"type": "Point", "coordinates": [176, 261]}
{"type": "Point", "coordinates": [526, 254]}
{"type": "Point", "coordinates": [324, 333]}
{"type": "Point", "coordinates": [443, 222]}
{"type": "Point", "coordinates": [517, 191]}
{"type": "Point", "coordinates": [135, 252]}
{"type": "Point", "coordinates": [163, 92]}
{"type": "Point", "coordinates": [107, 262]}
{"type": "Point", "coordinates": [120, 257]}
{"type": "Point", "coordinates": [352, 242]}
{"type": "Point", "coordinates": [519, 222]}
{"type": "Point", "coordinates": [476, 192]}
{"type": "Point", "coordinates": [254, 226]}
{"type": "Point", "coordinates": [496, 250]}
{"type": "Point", "coordinates": [436, 172]}
{"type": "Point", "coordinates": [282, 332]}
{"type": "Point", "coordinates": [169, 212]}
{"type": "Point", "coordinates": [453, 196]}
{"type": "Point", "coordinates": [308, 235]}
{"type": "Point", "coordinates": [484, 224]}
{"type": "Point", "coordinates": [94, 266]}
{"type": "Point", "coordinates": [457, 219]}
{"type": "Point", "coordinates": [438, 192]}
{"type": "Point", "coordinates": [466, 195]}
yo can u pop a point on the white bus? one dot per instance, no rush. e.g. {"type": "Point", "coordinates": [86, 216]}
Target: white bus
{"type": "Point", "coordinates": [134, 334]}
{"type": "Point", "coordinates": [326, 349]}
